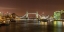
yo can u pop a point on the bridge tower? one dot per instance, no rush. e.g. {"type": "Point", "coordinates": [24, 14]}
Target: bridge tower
{"type": "Point", "coordinates": [37, 15]}
{"type": "Point", "coordinates": [27, 14]}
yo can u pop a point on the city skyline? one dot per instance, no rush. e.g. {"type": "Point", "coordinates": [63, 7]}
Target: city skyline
{"type": "Point", "coordinates": [21, 6]}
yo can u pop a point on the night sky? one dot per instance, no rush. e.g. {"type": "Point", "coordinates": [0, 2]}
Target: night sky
{"type": "Point", "coordinates": [21, 6]}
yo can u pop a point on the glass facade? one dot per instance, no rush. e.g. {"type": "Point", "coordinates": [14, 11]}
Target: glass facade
{"type": "Point", "coordinates": [57, 15]}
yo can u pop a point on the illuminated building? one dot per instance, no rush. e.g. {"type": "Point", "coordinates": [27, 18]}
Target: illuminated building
{"type": "Point", "coordinates": [57, 16]}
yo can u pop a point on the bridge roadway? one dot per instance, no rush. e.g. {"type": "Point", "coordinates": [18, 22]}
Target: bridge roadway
{"type": "Point", "coordinates": [39, 19]}
{"type": "Point", "coordinates": [26, 19]}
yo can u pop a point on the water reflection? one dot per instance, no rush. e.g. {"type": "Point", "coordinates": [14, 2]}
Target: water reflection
{"type": "Point", "coordinates": [36, 26]}
{"type": "Point", "coordinates": [55, 23]}
{"type": "Point", "coordinates": [57, 29]}
{"type": "Point", "coordinates": [63, 24]}
{"type": "Point", "coordinates": [58, 24]}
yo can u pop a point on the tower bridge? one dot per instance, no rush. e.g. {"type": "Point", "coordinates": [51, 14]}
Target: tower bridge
{"type": "Point", "coordinates": [38, 17]}
{"type": "Point", "coordinates": [27, 15]}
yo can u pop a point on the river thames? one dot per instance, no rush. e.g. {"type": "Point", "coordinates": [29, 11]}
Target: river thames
{"type": "Point", "coordinates": [32, 26]}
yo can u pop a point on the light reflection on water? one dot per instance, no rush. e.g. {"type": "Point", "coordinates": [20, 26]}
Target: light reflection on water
{"type": "Point", "coordinates": [57, 29]}
{"type": "Point", "coordinates": [34, 27]}
{"type": "Point", "coordinates": [63, 23]}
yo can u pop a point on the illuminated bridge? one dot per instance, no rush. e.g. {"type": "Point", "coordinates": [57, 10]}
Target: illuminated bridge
{"type": "Point", "coordinates": [38, 17]}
